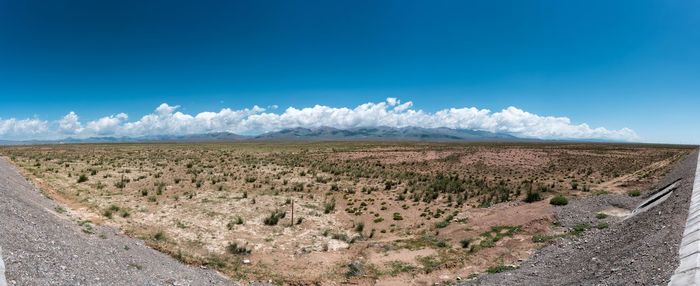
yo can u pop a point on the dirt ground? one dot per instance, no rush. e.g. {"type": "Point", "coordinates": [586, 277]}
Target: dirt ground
{"type": "Point", "coordinates": [335, 212]}
{"type": "Point", "coordinates": [639, 249]}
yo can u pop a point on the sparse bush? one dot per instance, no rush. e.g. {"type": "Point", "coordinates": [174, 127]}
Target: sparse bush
{"type": "Point", "coordinates": [354, 269]}
{"type": "Point", "coordinates": [124, 213]}
{"type": "Point", "coordinates": [574, 185]}
{"type": "Point", "coordinates": [107, 213]}
{"type": "Point", "coordinates": [359, 227]}
{"type": "Point", "coordinates": [634, 193]}
{"type": "Point", "coordinates": [501, 268]}
{"type": "Point", "coordinates": [544, 238]}
{"type": "Point", "coordinates": [443, 223]}
{"type": "Point", "coordinates": [235, 249]}
{"type": "Point", "coordinates": [559, 200]}
{"type": "Point", "coordinates": [429, 263]}
{"type": "Point", "coordinates": [159, 236]}
{"type": "Point", "coordinates": [274, 217]}
{"type": "Point", "coordinates": [580, 228]}
{"type": "Point", "coordinates": [329, 206]}
{"type": "Point", "coordinates": [82, 179]}
{"type": "Point", "coordinates": [398, 267]}
{"type": "Point", "coordinates": [237, 221]}
{"type": "Point", "coordinates": [533, 196]}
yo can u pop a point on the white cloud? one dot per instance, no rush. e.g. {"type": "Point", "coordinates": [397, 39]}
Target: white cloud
{"type": "Point", "coordinates": [70, 124]}
{"type": "Point", "coordinates": [168, 120]}
{"type": "Point", "coordinates": [108, 125]}
{"type": "Point", "coordinates": [22, 129]}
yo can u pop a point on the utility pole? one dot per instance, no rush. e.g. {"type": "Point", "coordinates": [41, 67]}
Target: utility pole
{"type": "Point", "coordinates": [292, 224]}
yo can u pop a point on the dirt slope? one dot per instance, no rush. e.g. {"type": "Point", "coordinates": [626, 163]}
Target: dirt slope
{"type": "Point", "coordinates": [41, 246]}
{"type": "Point", "coordinates": [642, 250]}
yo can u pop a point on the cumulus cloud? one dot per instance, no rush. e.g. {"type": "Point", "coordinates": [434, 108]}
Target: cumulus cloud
{"type": "Point", "coordinates": [106, 125]}
{"type": "Point", "coordinates": [22, 129]}
{"type": "Point", "coordinates": [70, 124]}
{"type": "Point", "coordinates": [169, 120]}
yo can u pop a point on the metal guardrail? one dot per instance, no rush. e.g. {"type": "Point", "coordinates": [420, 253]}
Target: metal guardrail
{"type": "Point", "coordinates": [688, 271]}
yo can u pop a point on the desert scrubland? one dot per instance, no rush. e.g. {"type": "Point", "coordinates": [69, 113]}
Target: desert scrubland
{"type": "Point", "coordinates": [329, 212]}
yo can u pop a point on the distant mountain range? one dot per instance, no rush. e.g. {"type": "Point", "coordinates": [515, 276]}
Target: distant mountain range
{"type": "Point", "coordinates": [384, 133]}
{"type": "Point", "coordinates": [305, 134]}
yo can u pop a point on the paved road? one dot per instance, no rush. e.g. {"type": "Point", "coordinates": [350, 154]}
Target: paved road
{"type": "Point", "coordinates": [40, 247]}
{"type": "Point", "coordinates": [3, 282]}
{"type": "Point", "coordinates": [688, 271]}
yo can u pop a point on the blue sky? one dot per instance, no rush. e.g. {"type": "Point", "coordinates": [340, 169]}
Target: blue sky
{"type": "Point", "coordinates": [610, 64]}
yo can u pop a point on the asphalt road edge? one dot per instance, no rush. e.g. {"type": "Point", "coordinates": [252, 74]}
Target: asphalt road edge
{"type": "Point", "coordinates": [3, 282]}
{"type": "Point", "coordinates": [688, 271]}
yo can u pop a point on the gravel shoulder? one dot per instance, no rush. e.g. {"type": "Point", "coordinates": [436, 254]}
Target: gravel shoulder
{"type": "Point", "coordinates": [640, 250]}
{"type": "Point", "coordinates": [41, 246]}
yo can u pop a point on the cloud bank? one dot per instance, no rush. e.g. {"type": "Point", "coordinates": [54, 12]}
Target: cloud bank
{"type": "Point", "coordinates": [168, 120]}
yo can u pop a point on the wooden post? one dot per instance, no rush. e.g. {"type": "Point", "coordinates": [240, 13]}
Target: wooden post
{"type": "Point", "coordinates": [292, 224]}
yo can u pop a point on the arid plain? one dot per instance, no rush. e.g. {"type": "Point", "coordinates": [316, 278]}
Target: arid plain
{"type": "Point", "coordinates": [329, 212]}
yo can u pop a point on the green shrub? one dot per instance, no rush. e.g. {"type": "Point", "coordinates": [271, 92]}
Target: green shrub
{"type": "Point", "coordinates": [501, 268]}
{"type": "Point", "coordinates": [601, 216]}
{"type": "Point", "coordinates": [580, 228]}
{"type": "Point", "coordinates": [274, 217]}
{"type": "Point", "coordinates": [329, 206]}
{"type": "Point", "coordinates": [398, 267]}
{"type": "Point", "coordinates": [359, 227]}
{"type": "Point", "coordinates": [442, 224]}
{"type": "Point", "coordinates": [235, 249]}
{"type": "Point", "coordinates": [559, 200]}
{"type": "Point", "coordinates": [82, 179]}
{"type": "Point", "coordinates": [533, 197]}
{"type": "Point", "coordinates": [539, 238]}
{"type": "Point", "coordinates": [429, 263]}
{"type": "Point", "coordinates": [634, 193]}
{"type": "Point", "coordinates": [441, 244]}
{"type": "Point", "coordinates": [124, 213]}
{"type": "Point", "coordinates": [159, 236]}
{"type": "Point", "coordinates": [354, 269]}
{"type": "Point", "coordinates": [397, 216]}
